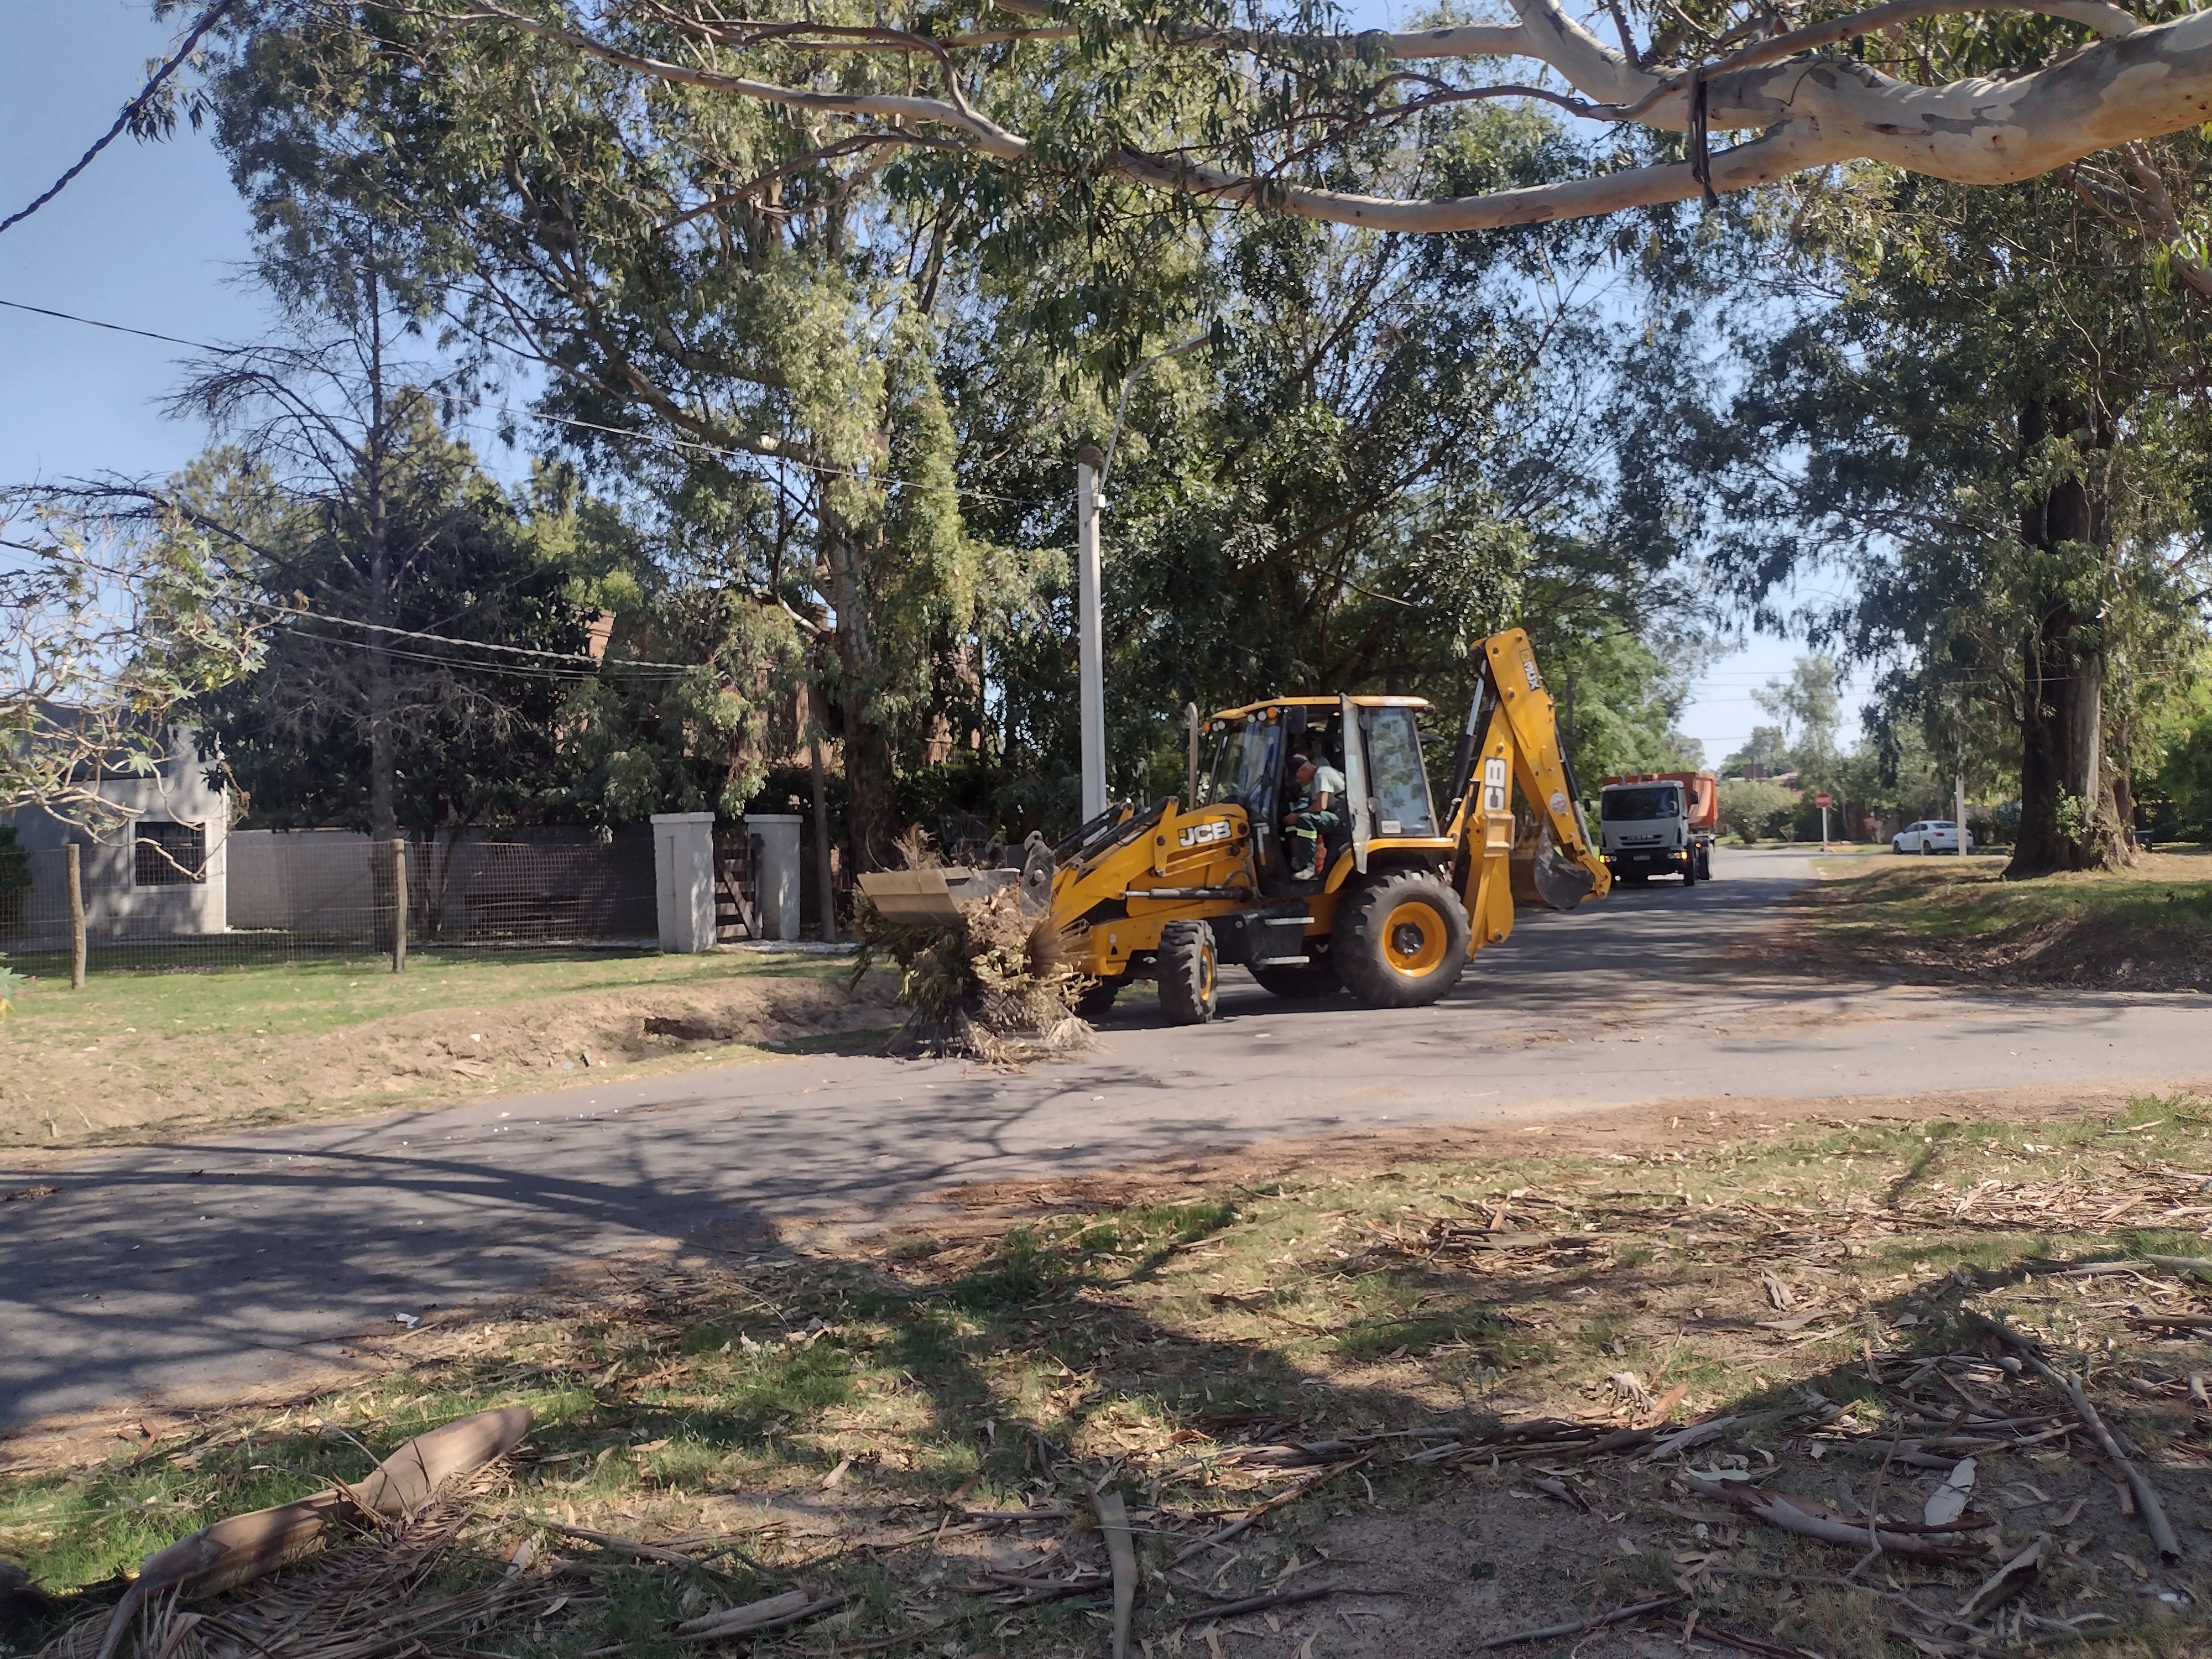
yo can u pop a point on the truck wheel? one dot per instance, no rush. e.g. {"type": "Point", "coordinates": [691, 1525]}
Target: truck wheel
{"type": "Point", "coordinates": [1704, 864]}
{"type": "Point", "coordinates": [1689, 869]}
{"type": "Point", "coordinates": [1190, 993]}
{"type": "Point", "coordinates": [1401, 943]}
{"type": "Point", "coordinates": [1311, 978]}
{"type": "Point", "coordinates": [1097, 1002]}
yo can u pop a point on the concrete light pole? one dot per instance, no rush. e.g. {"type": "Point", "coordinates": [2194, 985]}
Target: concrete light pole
{"type": "Point", "coordinates": [1091, 469]}
{"type": "Point", "coordinates": [1091, 647]}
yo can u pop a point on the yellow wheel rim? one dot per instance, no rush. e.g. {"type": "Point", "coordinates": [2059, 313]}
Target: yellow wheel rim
{"type": "Point", "coordinates": [1205, 976]}
{"type": "Point", "coordinates": [1414, 939]}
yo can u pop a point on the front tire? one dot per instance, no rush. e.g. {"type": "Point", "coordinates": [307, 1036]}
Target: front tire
{"type": "Point", "coordinates": [1094, 1004]}
{"type": "Point", "coordinates": [1190, 989]}
{"type": "Point", "coordinates": [1401, 943]}
{"type": "Point", "coordinates": [1690, 869]}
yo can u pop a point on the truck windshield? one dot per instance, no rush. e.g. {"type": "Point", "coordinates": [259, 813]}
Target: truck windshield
{"type": "Point", "coordinates": [1660, 801]}
{"type": "Point", "coordinates": [1241, 758]}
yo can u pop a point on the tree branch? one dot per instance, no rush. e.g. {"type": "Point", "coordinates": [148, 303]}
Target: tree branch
{"type": "Point", "coordinates": [2140, 82]}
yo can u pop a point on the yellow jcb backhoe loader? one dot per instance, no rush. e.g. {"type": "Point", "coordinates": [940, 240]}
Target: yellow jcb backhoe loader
{"type": "Point", "coordinates": [1404, 896]}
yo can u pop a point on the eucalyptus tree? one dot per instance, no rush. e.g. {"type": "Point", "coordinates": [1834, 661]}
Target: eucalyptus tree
{"type": "Point", "coordinates": [1379, 449]}
{"type": "Point", "coordinates": [731, 316]}
{"type": "Point", "coordinates": [1975, 402]}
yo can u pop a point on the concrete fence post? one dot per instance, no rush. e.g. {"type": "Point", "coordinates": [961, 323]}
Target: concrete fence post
{"type": "Point", "coordinates": [400, 907]}
{"type": "Point", "coordinates": [74, 860]}
{"type": "Point", "coordinates": [778, 875]}
{"type": "Point", "coordinates": [683, 880]}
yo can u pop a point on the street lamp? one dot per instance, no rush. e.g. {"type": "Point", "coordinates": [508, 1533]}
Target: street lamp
{"type": "Point", "coordinates": [1090, 469]}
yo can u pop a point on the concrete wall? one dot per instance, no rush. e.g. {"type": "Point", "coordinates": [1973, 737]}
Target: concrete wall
{"type": "Point", "coordinates": [554, 881]}
{"type": "Point", "coordinates": [116, 906]}
{"type": "Point", "coordinates": [299, 878]}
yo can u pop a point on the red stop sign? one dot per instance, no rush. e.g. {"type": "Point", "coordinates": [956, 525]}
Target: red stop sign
{"type": "Point", "coordinates": [1824, 799]}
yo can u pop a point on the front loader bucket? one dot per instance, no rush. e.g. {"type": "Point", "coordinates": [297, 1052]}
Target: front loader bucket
{"type": "Point", "coordinates": [1561, 883]}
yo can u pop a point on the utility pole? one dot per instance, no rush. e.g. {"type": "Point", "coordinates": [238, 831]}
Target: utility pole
{"type": "Point", "coordinates": [1959, 797]}
{"type": "Point", "coordinates": [1090, 649]}
{"type": "Point", "coordinates": [1959, 774]}
{"type": "Point", "coordinates": [1090, 469]}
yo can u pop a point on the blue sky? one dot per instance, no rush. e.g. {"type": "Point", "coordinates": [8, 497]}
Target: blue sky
{"type": "Point", "coordinates": [152, 236]}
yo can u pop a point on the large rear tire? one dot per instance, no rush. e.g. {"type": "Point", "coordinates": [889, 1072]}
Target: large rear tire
{"type": "Point", "coordinates": [1190, 988]}
{"type": "Point", "coordinates": [1400, 942]}
{"type": "Point", "coordinates": [1300, 980]}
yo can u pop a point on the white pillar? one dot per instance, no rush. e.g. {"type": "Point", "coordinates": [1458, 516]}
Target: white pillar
{"type": "Point", "coordinates": [777, 877]}
{"type": "Point", "coordinates": [1090, 651]}
{"type": "Point", "coordinates": [683, 880]}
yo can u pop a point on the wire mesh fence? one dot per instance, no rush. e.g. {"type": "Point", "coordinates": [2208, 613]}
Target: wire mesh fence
{"type": "Point", "coordinates": [269, 897]}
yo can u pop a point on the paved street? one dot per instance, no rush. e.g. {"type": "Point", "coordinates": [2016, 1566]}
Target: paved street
{"type": "Point", "coordinates": [184, 1271]}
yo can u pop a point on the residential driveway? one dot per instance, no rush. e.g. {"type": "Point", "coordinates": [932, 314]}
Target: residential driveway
{"type": "Point", "coordinates": [188, 1271]}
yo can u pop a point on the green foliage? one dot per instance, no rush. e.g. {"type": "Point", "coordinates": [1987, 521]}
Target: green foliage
{"type": "Point", "coordinates": [1756, 810]}
{"type": "Point", "coordinates": [1967, 404]}
{"type": "Point", "coordinates": [1382, 449]}
{"type": "Point", "coordinates": [1810, 711]}
{"type": "Point", "coordinates": [1619, 700]}
{"type": "Point", "coordinates": [2186, 780]}
{"type": "Point", "coordinates": [473, 733]}
{"type": "Point", "coordinates": [837, 392]}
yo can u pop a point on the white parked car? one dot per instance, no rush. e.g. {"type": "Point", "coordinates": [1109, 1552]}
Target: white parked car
{"type": "Point", "coordinates": [1931, 835]}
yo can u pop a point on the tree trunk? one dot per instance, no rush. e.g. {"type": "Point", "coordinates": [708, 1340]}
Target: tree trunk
{"type": "Point", "coordinates": [871, 811]}
{"type": "Point", "coordinates": [2068, 819]}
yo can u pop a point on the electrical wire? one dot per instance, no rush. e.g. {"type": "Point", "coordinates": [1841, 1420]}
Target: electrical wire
{"type": "Point", "coordinates": [116, 328]}
{"type": "Point", "coordinates": [207, 20]}
{"type": "Point", "coordinates": [661, 439]}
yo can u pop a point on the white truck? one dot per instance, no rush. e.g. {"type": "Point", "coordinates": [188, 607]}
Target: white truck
{"type": "Point", "coordinates": [1659, 823]}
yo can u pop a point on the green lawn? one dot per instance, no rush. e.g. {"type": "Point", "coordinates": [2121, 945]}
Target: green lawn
{"type": "Point", "coordinates": [282, 999]}
{"type": "Point", "coordinates": [2147, 928]}
{"type": "Point", "coordinates": [132, 1050]}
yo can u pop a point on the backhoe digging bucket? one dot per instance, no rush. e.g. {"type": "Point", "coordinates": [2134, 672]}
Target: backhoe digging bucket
{"type": "Point", "coordinates": [1561, 883]}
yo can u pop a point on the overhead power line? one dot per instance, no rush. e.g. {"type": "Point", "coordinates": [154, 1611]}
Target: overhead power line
{"type": "Point", "coordinates": [130, 111]}
{"type": "Point", "coordinates": [577, 659]}
{"type": "Point", "coordinates": [113, 328]}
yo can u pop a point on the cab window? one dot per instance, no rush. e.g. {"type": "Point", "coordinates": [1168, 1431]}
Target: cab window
{"type": "Point", "coordinates": [1242, 756]}
{"type": "Point", "coordinates": [1396, 775]}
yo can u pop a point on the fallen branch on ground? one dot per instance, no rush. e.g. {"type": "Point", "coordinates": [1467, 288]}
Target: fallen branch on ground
{"type": "Point", "coordinates": [1275, 1503]}
{"type": "Point", "coordinates": [1596, 1621]}
{"type": "Point", "coordinates": [2146, 1497]}
{"type": "Point", "coordinates": [1278, 1599]}
{"type": "Point", "coordinates": [1787, 1512]}
{"type": "Point", "coordinates": [772, 1613]}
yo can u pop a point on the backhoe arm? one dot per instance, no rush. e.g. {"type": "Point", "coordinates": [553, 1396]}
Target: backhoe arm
{"type": "Point", "coordinates": [1517, 741]}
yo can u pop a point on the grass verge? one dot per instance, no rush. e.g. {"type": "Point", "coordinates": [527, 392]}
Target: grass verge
{"type": "Point", "coordinates": [912, 1431]}
{"type": "Point", "coordinates": [1952, 919]}
{"type": "Point", "coordinates": [181, 1053]}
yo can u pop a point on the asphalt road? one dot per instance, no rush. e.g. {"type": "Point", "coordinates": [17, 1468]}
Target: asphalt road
{"type": "Point", "coordinates": [187, 1272]}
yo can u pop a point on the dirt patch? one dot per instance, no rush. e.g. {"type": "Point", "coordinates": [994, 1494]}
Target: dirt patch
{"type": "Point", "coordinates": [101, 1095]}
{"type": "Point", "coordinates": [1368, 1403]}
{"type": "Point", "coordinates": [1675, 1128]}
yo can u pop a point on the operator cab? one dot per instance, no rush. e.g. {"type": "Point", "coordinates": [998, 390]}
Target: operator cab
{"type": "Point", "coordinates": [1386, 781]}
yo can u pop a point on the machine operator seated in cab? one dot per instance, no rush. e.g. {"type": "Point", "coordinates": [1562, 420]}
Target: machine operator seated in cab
{"type": "Point", "coordinates": [1315, 813]}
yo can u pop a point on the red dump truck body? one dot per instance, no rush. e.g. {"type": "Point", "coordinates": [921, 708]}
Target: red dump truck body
{"type": "Point", "coordinates": [1702, 788]}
